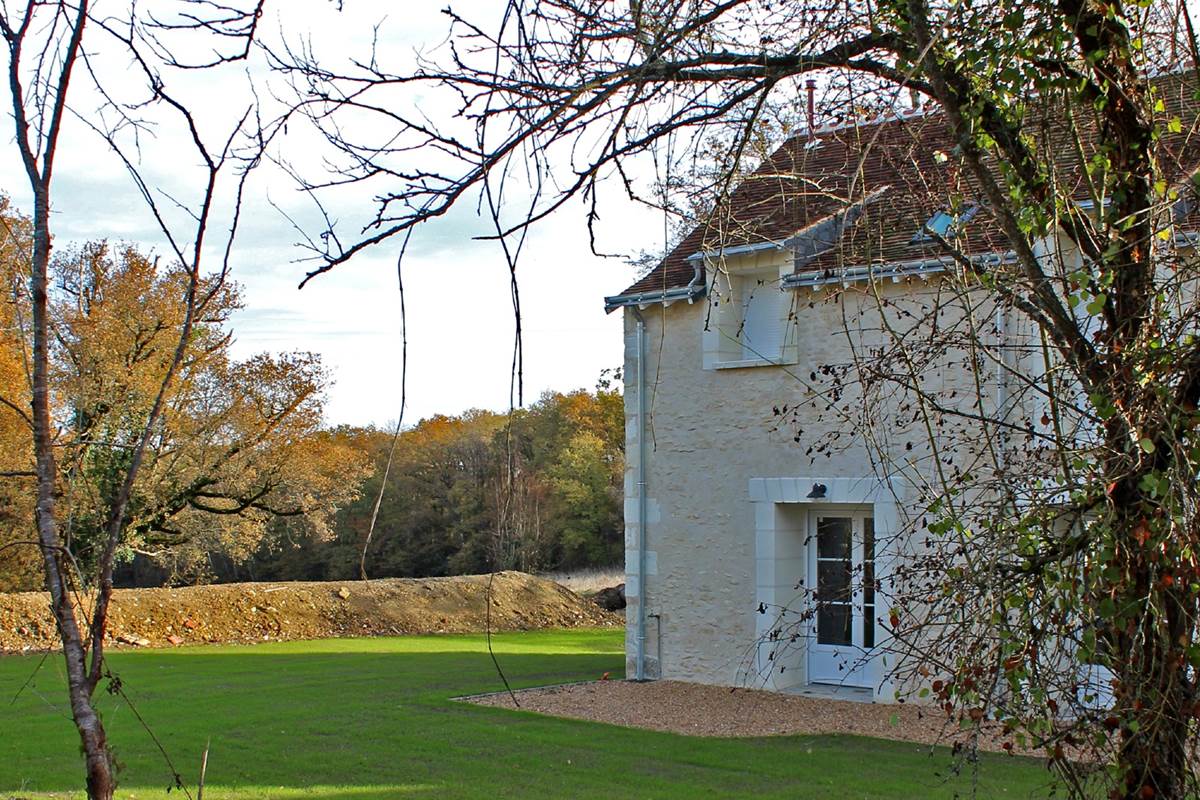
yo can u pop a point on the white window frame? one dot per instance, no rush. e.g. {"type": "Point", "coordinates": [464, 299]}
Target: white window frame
{"type": "Point", "coordinates": [753, 279]}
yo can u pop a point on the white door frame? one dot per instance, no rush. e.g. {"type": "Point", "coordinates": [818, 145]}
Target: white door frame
{"type": "Point", "coordinates": [780, 555]}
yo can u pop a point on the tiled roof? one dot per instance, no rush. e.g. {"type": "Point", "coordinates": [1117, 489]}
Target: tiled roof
{"type": "Point", "coordinates": [903, 167]}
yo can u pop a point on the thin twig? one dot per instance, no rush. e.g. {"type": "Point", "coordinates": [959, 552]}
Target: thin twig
{"type": "Point", "coordinates": [203, 770]}
{"type": "Point", "coordinates": [488, 631]}
{"type": "Point", "coordinates": [116, 687]}
{"type": "Point", "coordinates": [32, 675]}
{"type": "Point", "coordinates": [387, 469]}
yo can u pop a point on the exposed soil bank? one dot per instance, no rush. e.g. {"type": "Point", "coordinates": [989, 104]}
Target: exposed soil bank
{"type": "Point", "coordinates": [254, 612]}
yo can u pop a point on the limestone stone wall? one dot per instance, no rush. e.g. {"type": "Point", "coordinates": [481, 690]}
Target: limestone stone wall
{"type": "Point", "coordinates": [709, 432]}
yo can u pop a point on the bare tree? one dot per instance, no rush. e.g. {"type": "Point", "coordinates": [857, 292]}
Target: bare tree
{"type": "Point", "coordinates": [1072, 537]}
{"type": "Point", "coordinates": [60, 57]}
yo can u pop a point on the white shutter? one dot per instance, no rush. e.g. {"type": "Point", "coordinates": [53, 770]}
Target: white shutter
{"type": "Point", "coordinates": [762, 317]}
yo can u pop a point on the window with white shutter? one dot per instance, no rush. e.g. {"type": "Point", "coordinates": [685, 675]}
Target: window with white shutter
{"type": "Point", "coordinates": [749, 324]}
{"type": "Point", "coordinates": [762, 319]}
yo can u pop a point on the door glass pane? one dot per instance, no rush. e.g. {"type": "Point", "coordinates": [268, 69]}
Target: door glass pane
{"type": "Point", "coordinates": [868, 626]}
{"type": "Point", "coordinates": [833, 623]}
{"type": "Point", "coordinates": [833, 537]}
{"type": "Point", "coordinates": [833, 581]}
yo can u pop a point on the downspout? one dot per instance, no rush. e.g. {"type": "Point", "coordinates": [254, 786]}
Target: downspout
{"type": "Point", "coordinates": [1001, 347]}
{"type": "Point", "coordinates": [640, 652]}
{"type": "Point", "coordinates": [692, 284]}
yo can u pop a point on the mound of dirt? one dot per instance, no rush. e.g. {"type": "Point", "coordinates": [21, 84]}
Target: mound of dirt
{"type": "Point", "coordinates": [255, 612]}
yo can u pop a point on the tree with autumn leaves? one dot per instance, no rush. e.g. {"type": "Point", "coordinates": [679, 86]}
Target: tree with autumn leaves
{"type": "Point", "coordinates": [241, 478]}
{"type": "Point", "coordinates": [537, 489]}
{"type": "Point", "coordinates": [238, 454]}
{"type": "Point", "coordinates": [20, 566]}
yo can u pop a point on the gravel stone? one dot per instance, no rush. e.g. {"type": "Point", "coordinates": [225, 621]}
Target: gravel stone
{"type": "Point", "coordinates": [697, 710]}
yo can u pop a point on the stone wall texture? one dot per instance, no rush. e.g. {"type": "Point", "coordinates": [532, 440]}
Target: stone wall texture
{"type": "Point", "coordinates": [708, 433]}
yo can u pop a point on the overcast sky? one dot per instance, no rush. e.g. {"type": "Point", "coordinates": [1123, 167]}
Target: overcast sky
{"type": "Point", "coordinates": [460, 321]}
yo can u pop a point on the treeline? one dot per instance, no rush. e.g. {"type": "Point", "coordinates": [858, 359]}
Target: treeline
{"type": "Point", "coordinates": [236, 459]}
{"type": "Point", "coordinates": [466, 494]}
{"type": "Point", "coordinates": [239, 480]}
{"type": "Point", "coordinates": [540, 490]}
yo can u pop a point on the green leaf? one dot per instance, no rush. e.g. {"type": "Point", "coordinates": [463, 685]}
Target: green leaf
{"type": "Point", "coordinates": [1107, 608]}
{"type": "Point", "coordinates": [1147, 445]}
{"type": "Point", "coordinates": [1193, 652]}
{"type": "Point", "coordinates": [1174, 125]}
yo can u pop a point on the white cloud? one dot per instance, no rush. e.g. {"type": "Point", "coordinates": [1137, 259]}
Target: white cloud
{"type": "Point", "coordinates": [460, 320]}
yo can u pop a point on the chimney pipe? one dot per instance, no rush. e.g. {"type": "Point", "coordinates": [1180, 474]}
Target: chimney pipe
{"type": "Point", "coordinates": [811, 85]}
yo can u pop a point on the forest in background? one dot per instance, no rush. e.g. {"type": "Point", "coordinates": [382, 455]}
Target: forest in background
{"type": "Point", "coordinates": [540, 490]}
{"type": "Point", "coordinates": [241, 480]}
{"type": "Point", "coordinates": [466, 494]}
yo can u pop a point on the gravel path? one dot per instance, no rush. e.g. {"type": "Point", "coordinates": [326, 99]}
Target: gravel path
{"type": "Point", "coordinates": [698, 710]}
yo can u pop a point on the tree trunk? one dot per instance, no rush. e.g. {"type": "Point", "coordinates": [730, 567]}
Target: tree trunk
{"type": "Point", "coordinates": [1154, 696]}
{"type": "Point", "coordinates": [1154, 757]}
{"type": "Point", "coordinates": [100, 778]}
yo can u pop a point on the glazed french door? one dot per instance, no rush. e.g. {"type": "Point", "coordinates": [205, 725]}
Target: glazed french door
{"type": "Point", "coordinates": [841, 567]}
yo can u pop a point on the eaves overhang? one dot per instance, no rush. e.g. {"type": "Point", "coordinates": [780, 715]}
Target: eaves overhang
{"type": "Point", "coordinates": [815, 279]}
{"type": "Point", "coordinates": [896, 271]}
{"type": "Point", "coordinates": [646, 299]}
{"type": "Point", "coordinates": [737, 250]}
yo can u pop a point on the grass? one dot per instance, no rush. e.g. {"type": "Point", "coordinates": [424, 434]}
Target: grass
{"type": "Point", "coordinates": [364, 719]}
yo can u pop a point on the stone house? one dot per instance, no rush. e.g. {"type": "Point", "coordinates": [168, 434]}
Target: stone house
{"type": "Point", "coordinates": [734, 502]}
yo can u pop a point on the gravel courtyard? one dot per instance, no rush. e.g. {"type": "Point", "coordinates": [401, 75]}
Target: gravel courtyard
{"type": "Point", "coordinates": [698, 710]}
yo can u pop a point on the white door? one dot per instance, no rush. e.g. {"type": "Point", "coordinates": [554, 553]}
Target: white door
{"type": "Point", "coordinates": [841, 567]}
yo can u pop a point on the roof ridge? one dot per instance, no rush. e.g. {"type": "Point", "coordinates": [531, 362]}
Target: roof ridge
{"type": "Point", "coordinates": [868, 120]}
{"type": "Point", "coordinates": [817, 162]}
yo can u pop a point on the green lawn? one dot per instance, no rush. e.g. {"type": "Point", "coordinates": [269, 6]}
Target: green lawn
{"type": "Point", "coordinates": [363, 719]}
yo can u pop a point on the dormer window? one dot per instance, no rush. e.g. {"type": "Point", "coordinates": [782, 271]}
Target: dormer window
{"type": "Point", "coordinates": [944, 224]}
{"type": "Point", "coordinates": [762, 315]}
{"type": "Point", "coordinates": [750, 324]}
